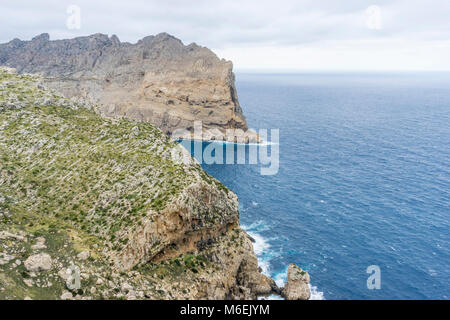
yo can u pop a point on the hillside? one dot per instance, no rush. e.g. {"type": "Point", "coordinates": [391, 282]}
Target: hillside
{"type": "Point", "coordinates": [115, 197]}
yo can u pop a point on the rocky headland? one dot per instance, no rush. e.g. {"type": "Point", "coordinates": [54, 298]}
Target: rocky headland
{"type": "Point", "coordinates": [157, 80]}
{"type": "Point", "coordinates": [88, 180]}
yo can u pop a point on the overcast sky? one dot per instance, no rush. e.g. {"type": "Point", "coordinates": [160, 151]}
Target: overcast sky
{"type": "Point", "coordinates": [279, 35]}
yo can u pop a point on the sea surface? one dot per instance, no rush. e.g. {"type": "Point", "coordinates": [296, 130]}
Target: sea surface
{"type": "Point", "coordinates": [363, 179]}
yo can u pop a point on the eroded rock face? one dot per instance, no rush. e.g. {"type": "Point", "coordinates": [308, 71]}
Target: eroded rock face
{"type": "Point", "coordinates": [297, 287]}
{"type": "Point", "coordinates": [239, 276]}
{"type": "Point", "coordinates": [157, 80]}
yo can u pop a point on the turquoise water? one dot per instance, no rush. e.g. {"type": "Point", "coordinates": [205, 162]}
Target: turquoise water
{"type": "Point", "coordinates": [364, 179]}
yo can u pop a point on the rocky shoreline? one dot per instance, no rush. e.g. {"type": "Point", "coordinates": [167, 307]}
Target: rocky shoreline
{"type": "Point", "coordinates": [136, 223]}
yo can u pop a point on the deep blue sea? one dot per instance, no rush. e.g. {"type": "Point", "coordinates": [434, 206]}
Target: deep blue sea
{"type": "Point", "coordinates": [364, 179]}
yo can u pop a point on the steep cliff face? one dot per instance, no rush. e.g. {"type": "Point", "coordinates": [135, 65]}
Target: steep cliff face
{"type": "Point", "coordinates": [157, 80]}
{"type": "Point", "coordinates": [115, 197]}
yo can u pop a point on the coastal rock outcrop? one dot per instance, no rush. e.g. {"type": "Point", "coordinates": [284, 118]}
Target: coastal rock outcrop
{"type": "Point", "coordinates": [157, 80]}
{"type": "Point", "coordinates": [106, 198]}
{"type": "Point", "coordinates": [297, 287]}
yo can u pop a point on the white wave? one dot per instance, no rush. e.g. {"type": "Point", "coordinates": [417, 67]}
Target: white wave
{"type": "Point", "coordinates": [315, 294]}
{"type": "Point", "coordinates": [281, 278]}
{"type": "Point", "coordinates": [221, 142]}
{"type": "Point", "coordinates": [257, 226]}
{"type": "Point", "coordinates": [261, 247]}
{"type": "Point", "coordinates": [271, 297]}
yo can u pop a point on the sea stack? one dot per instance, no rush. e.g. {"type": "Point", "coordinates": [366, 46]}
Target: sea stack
{"type": "Point", "coordinates": [297, 287]}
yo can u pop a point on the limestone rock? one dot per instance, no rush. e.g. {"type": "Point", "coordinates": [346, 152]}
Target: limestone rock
{"type": "Point", "coordinates": [63, 273]}
{"type": "Point", "coordinates": [266, 286]}
{"type": "Point", "coordinates": [297, 287]}
{"type": "Point", "coordinates": [66, 296]}
{"type": "Point", "coordinates": [83, 255]}
{"type": "Point", "coordinates": [8, 235]}
{"type": "Point", "coordinates": [40, 244]}
{"type": "Point", "coordinates": [28, 282]}
{"type": "Point", "coordinates": [39, 262]}
{"type": "Point", "coordinates": [158, 80]}
{"type": "Point", "coordinates": [125, 287]}
{"type": "Point", "coordinates": [5, 258]}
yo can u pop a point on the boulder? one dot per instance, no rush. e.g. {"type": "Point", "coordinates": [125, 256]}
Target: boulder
{"type": "Point", "coordinates": [83, 255]}
{"type": "Point", "coordinates": [266, 286]}
{"type": "Point", "coordinates": [5, 258]}
{"type": "Point", "coordinates": [66, 296]}
{"type": "Point", "coordinates": [40, 244]}
{"type": "Point", "coordinates": [5, 235]}
{"type": "Point", "coordinates": [38, 262]}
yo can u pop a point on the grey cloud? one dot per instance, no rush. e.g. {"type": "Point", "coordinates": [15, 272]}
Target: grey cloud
{"type": "Point", "coordinates": [229, 23]}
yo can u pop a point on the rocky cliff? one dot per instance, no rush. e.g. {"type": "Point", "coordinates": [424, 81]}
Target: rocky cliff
{"type": "Point", "coordinates": [157, 80]}
{"type": "Point", "coordinates": [115, 198]}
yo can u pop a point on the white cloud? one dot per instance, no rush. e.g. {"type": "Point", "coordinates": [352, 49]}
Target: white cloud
{"type": "Point", "coordinates": [288, 34]}
{"type": "Point", "coordinates": [361, 55]}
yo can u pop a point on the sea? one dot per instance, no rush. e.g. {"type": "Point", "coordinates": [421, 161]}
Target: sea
{"type": "Point", "coordinates": [361, 196]}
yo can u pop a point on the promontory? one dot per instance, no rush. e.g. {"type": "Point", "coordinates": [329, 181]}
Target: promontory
{"type": "Point", "coordinates": [157, 80]}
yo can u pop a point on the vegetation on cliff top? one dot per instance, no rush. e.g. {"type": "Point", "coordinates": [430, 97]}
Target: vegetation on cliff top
{"type": "Point", "coordinates": [93, 174]}
{"type": "Point", "coordinates": [73, 182]}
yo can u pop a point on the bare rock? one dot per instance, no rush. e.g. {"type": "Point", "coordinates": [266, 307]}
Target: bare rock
{"type": "Point", "coordinates": [4, 235]}
{"type": "Point", "coordinates": [66, 296]}
{"type": "Point", "coordinates": [297, 287]}
{"type": "Point", "coordinates": [40, 244]}
{"type": "Point", "coordinates": [126, 287]}
{"type": "Point", "coordinates": [266, 286]}
{"type": "Point", "coordinates": [83, 255]}
{"type": "Point", "coordinates": [5, 258]}
{"type": "Point", "coordinates": [64, 274]}
{"type": "Point", "coordinates": [39, 262]}
{"type": "Point", "coordinates": [28, 282]}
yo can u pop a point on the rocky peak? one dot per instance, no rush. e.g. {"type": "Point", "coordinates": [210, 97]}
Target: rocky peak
{"type": "Point", "coordinates": [164, 36]}
{"type": "Point", "coordinates": [115, 40]}
{"type": "Point", "coordinates": [43, 37]}
{"type": "Point", "coordinates": [100, 38]}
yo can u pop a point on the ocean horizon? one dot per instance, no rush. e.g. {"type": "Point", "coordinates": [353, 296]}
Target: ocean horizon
{"type": "Point", "coordinates": [364, 179]}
